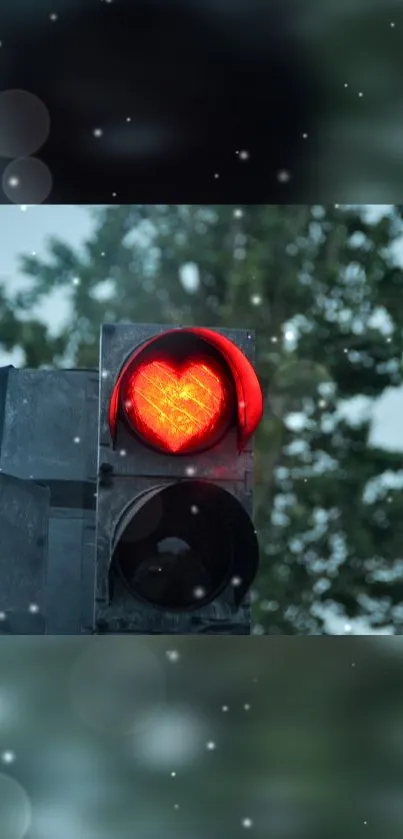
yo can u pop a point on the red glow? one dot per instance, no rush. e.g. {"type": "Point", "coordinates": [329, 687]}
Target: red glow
{"type": "Point", "coordinates": [248, 390]}
{"type": "Point", "coordinates": [177, 408]}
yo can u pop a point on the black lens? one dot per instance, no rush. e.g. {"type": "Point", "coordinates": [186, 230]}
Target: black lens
{"type": "Point", "coordinates": [175, 551]}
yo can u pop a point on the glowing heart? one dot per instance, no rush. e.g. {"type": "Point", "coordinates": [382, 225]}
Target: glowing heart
{"type": "Point", "coordinates": [178, 408]}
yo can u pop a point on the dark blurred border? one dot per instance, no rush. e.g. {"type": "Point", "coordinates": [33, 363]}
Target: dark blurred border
{"type": "Point", "coordinates": [196, 100]}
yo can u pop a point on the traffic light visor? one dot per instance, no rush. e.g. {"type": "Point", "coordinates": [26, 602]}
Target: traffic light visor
{"type": "Point", "coordinates": [180, 391]}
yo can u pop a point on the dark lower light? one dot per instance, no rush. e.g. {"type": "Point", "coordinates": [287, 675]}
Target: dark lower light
{"type": "Point", "coordinates": [177, 547]}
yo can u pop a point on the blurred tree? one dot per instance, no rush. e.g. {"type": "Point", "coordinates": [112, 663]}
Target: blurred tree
{"type": "Point", "coordinates": [312, 282]}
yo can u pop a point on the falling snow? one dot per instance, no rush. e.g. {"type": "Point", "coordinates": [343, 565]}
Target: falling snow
{"type": "Point", "coordinates": [8, 757]}
{"type": "Point", "coordinates": [236, 581]}
{"type": "Point", "coordinates": [172, 655]}
{"type": "Point", "coordinates": [97, 132]}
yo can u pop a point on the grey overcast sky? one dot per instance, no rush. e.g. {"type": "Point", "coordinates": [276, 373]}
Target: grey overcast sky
{"type": "Point", "coordinates": [25, 230]}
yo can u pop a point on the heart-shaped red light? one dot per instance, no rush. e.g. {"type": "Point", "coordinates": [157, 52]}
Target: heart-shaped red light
{"type": "Point", "coordinates": [178, 407]}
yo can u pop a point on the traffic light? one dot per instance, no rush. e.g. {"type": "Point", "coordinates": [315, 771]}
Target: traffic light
{"type": "Point", "coordinates": [176, 550]}
{"type": "Point", "coordinates": [126, 491]}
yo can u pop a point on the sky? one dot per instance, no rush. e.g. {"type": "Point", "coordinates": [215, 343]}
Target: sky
{"type": "Point", "coordinates": [26, 230]}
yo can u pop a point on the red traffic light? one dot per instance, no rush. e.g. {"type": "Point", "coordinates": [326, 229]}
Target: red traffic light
{"type": "Point", "coordinates": [178, 407]}
{"type": "Point", "coordinates": [181, 390]}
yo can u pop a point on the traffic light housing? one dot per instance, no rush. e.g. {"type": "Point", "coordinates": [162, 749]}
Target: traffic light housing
{"type": "Point", "coordinates": [176, 548]}
{"type": "Point", "coordinates": [126, 491]}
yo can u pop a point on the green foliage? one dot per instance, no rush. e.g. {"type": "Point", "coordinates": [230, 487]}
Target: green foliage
{"type": "Point", "coordinates": [326, 269]}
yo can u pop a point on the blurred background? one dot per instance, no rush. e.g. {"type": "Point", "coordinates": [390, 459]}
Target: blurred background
{"type": "Point", "coordinates": [201, 100]}
{"type": "Point", "coordinates": [322, 286]}
{"type": "Point", "coordinates": [200, 737]}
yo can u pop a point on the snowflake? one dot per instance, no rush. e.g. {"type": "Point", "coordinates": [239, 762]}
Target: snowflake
{"type": "Point", "coordinates": [172, 655]}
{"type": "Point", "coordinates": [247, 822]}
{"type": "Point", "coordinates": [97, 132]}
